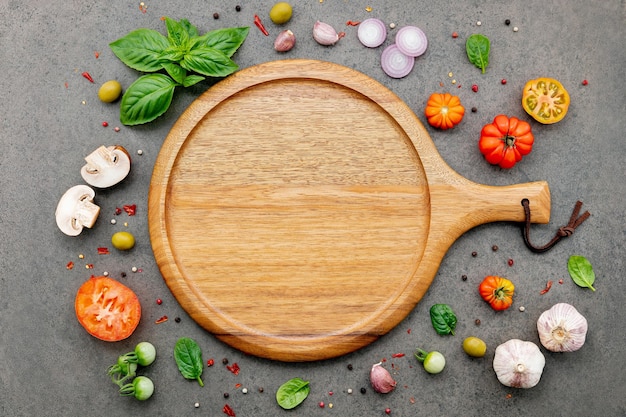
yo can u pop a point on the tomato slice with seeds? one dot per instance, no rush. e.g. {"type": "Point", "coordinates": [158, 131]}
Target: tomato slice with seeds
{"type": "Point", "coordinates": [107, 309]}
{"type": "Point", "coordinates": [545, 100]}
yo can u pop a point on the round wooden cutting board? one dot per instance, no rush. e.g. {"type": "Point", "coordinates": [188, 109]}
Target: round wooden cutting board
{"type": "Point", "coordinates": [299, 210]}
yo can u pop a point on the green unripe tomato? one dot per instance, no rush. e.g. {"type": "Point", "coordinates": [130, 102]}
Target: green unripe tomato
{"type": "Point", "coordinates": [281, 13]}
{"type": "Point", "coordinates": [474, 347]}
{"type": "Point", "coordinates": [123, 240]}
{"type": "Point", "coordinates": [433, 362]}
{"type": "Point", "coordinates": [110, 91]}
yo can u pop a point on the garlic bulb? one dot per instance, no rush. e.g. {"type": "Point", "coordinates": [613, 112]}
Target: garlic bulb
{"type": "Point", "coordinates": [325, 34]}
{"type": "Point", "coordinates": [562, 328]}
{"type": "Point", "coordinates": [381, 379]}
{"type": "Point", "coordinates": [518, 364]}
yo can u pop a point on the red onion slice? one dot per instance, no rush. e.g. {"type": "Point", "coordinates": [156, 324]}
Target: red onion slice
{"type": "Point", "coordinates": [395, 63]}
{"type": "Point", "coordinates": [372, 32]}
{"type": "Point", "coordinates": [411, 41]}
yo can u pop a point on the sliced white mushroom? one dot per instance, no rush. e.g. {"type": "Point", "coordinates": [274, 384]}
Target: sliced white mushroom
{"type": "Point", "coordinates": [76, 210]}
{"type": "Point", "coordinates": [106, 166]}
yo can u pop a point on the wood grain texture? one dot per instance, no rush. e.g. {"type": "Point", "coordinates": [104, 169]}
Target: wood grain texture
{"type": "Point", "coordinates": [299, 210]}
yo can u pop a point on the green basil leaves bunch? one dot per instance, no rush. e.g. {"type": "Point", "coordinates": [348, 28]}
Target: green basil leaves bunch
{"type": "Point", "coordinates": [182, 58]}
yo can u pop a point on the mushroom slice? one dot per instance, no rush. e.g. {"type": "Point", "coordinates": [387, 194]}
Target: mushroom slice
{"type": "Point", "coordinates": [106, 166]}
{"type": "Point", "coordinates": [76, 210]}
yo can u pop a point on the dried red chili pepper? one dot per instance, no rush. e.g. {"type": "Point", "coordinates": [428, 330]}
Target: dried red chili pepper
{"type": "Point", "coordinates": [130, 209]}
{"type": "Point", "coordinates": [70, 265]}
{"type": "Point", "coordinates": [96, 54]}
{"type": "Point", "coordinates": [88, 76]}
{"type": "Point", "coordinates": [103, 251]}
{"type": "Point", "coordinates": [351, 23]}
{"type": "Point", "coordinates": [161, 320]}
{"type": "Point", "coordinates": [234, 368]}
{"type": "Point", "coordinates": [397, 355]}
{"type": "Point", "coordinates": [259, 24]}
{"type": "Point", "coordinates": [210, 362]}
{"type": "Point", "coordinates": [228, 411]}
{"type": "Point", "coordinates": [545, 290]}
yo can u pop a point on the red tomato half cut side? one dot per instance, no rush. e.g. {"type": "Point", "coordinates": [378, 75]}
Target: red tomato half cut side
{"type": "Point", "coordinates": [107, 309]}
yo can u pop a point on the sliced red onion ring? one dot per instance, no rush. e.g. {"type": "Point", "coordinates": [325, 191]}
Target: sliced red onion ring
{"type": "Point", "coordinates": [372, 32]}
{"type": "Point", "coordinates": [411, 41]}
{"type": "Point", "coordinates": [395, 63]}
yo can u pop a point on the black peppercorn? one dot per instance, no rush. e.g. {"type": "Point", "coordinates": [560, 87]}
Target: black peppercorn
{"type": "Point", "coordinates": [464, 277]}
{"type": "Point", "coordinates": [225, 361]}
{"type": "Point", "coordinates": [350, 367]}
{"type": "Point", "coordinates": [363, 390]}
{"type": "Point", "coordinates": [216, 15]}
{"type": "Point", "coordinates": [477, 322]}
{"type": "Point", "coordinates": [474, 109]}
{"type": "Point", "coordinates": [177, 319]}
{"type": "Point", "coordinates": [226, 395]}
{"type": "Point", "coordinates": [507, 22]}
{"type": "Point", "coordinates": [238, 8]}
{"type": "Point", "coordinates": [494, 248]}
{"type": "Point", "coordinates": [474, 254]}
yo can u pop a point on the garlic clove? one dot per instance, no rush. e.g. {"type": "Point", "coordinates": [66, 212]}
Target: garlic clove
{"type": "Point", "coordinates": [285, 41]}
{"type": "Point", "coordinates": [325, 34]}
{"type": "Point", "coordinates": [562, 328]}
{"type": "Point", "coordinates": [381, 379]}
{"type": "Point", "coordinates": [518, 364]}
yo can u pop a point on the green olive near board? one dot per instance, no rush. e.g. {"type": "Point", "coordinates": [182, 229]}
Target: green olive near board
{"type": "Point", "coordinates": [474, 347]}
{"type": "Point", "coordinates": [123, 240]}
{"type": "Point", "coordinates": [281, 13]}
{"type": "Point", "coordinates": [110, 91]}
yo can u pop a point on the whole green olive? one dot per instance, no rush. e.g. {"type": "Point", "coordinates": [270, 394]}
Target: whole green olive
{"type": "Point", "coordinates": [281, 13]}
{"type": "Point", "coordinates": [123, 240]}
{"type": "Point", "coordinates": [474, 347]}
{"type": "Point", "coordinates": [110, 91]}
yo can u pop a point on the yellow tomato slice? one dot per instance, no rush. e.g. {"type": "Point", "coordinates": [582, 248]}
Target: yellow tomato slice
{"type": "Point", "coordinates": [545, 100]}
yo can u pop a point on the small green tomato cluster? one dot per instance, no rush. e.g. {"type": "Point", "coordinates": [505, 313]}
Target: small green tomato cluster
{"type": "Point", "coordinates": [124, 372]}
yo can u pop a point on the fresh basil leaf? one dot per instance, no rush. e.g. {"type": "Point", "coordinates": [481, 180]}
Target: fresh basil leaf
{"type": "Point", "coordinates": [581, 271]}
{"type": "Point", "coordinates": [191, 29]}
{"type": "Point", "coordinates": [443, 319]}
{"type": "Point", "coordinates": [477, 47]}
{"type": "Point", "coordinates": [292, 393]}
{"type": "Point", "coordinates": [141, 49]}
{"type": "Point", "coordinates": [172, 54]}
{"type": "Point", "coordinates": [146, 99]}
{"type": "Point", "coordinates": [192, 80]}
{"type": "Point", "coordinates": [188, 356]}
{"type": "Point", "coordinates": [175, 71]}
{"type": "Point", "coordinates": [177, 34]}
{"type": "Point", "coordinates": [226, 40]}
{"type": "Point", "coordinates": [209, 62]}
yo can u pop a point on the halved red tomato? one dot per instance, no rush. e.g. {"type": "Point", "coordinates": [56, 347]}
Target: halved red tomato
{"type": "Point", "coordinates": [107, 309]}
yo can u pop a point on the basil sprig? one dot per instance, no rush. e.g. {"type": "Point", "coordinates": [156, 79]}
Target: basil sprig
{"type": "Point", "coordinates": [188, 356]}
{"type": "Point", "coordinates": [182, 58]}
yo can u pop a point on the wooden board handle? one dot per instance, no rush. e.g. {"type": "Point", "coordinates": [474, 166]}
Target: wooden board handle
{"type": "Point", "coordinates": [482, 204]}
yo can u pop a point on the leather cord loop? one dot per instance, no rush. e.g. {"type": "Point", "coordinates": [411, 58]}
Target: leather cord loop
{"type": "Point", "coordinates": [564, 231]}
